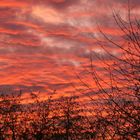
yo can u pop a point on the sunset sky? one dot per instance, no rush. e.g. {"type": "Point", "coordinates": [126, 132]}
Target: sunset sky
{"type": "Point", "coordinates": [44, 43]}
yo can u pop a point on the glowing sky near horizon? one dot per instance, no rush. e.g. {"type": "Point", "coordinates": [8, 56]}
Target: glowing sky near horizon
{"type": "Point", "coordinates": [44, 42]}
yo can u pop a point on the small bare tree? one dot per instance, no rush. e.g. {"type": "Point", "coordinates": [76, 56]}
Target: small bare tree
{"type": "Point", "coordinates": [10, 109]}
{"type": "Point", "coordinates": [72, 118]}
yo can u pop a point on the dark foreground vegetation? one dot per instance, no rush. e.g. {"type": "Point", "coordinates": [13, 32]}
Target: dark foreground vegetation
{"type": "Point", "coordinates": [115, 117]}
{"type": "Point", "coordinates": [65, 119]}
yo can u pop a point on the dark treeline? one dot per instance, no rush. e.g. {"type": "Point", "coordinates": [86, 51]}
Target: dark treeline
{"type": "Point", "coordinates": [43, 120]}
{"type": "Point", "coordinates": [65, 119]}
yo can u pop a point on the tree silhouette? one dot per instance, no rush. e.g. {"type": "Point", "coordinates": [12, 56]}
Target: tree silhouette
{"type": "Point", "coordinates": [119, 118]}
{"type": "Point", "coordinates": [10, 109]}
{"type": "Point", "coordinates": [72, 118]}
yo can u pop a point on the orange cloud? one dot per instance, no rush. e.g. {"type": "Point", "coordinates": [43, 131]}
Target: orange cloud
{"type": "Point", "coordinates": [44, 43]}
{"type": "Point", "coordinates": [13, 3]}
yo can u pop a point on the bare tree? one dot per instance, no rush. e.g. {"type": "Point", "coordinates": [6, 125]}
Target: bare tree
{"type": "Point", "coordinates": [10, 111]}
{"type": "Point", "coordinates": [119, 118]}
{"type": "Point", "coordinates": [72, 118]}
